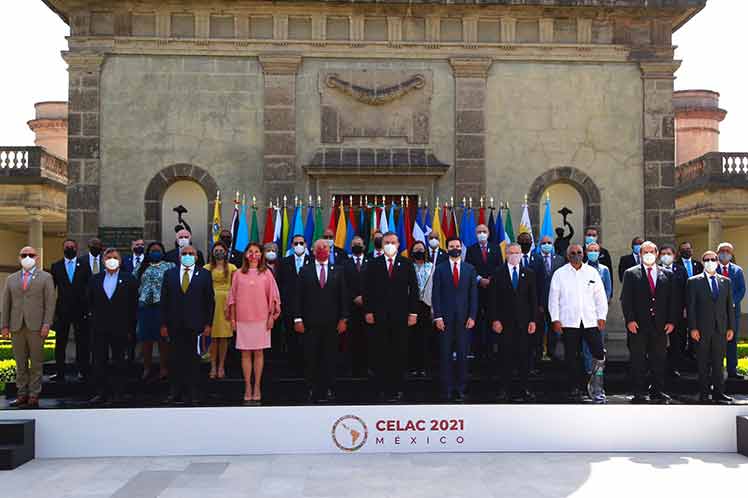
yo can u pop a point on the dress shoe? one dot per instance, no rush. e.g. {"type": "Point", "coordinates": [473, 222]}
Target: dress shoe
{"type": "Point", "coordinates": [674, 373]}
{"type": "Point", "coordinates": [99, 399]}
{"type": "Point", "coordinates": [310, 396]}
{"type": "Point", "coordinates": [661, 397]}
{"type": "Point", "coordinates": [525, 396]}
{"type": "Point", "coordinates": [81, 378]}
{"type": "Point", "coordinates": [330, 396]}
{"type": "Point", "coordinates": [33, 402]}
{"type": "Point", "coordinates": [721, 398]}
{"type": "Point", "coordinates": [502, 396]}
{"type": "Point", "coordinates": [640, 399]}
{"type": "Point", "coordinates": [19, 402]}
{"type": "Point", "coordinates": [397, 397]}
{"type": "Point", "coordinates": [705, 398]}
{"type": "Point", "coordinates": [459, 397]}
{"type": "Point", "coordinates": [171, 399]}
{"type": "Point", "coordinates": [735, 376]}
{"type": "Point", "coordinates": [57, 378]}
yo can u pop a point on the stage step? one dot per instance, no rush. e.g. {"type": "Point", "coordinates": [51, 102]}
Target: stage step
{"type": "Point", "coordinates": [17, 444]}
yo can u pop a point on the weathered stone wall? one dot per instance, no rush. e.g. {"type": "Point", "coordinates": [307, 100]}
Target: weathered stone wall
{"type": "Point", "coordinates": [158, 111]}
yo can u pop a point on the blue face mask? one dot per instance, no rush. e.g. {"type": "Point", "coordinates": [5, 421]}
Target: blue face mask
{"type": "Point", "coordinates": [546, 248]}
{"type": "Point", "coordinates": [590, 239]}
{"type": "Point", "coordinates": [637, 248]}
{"type": "Point", "coordinates": [593, 256]}
{"type": "Point", "coordinates": [188, 260]}
{"type": "Point", "coordinates": [155, 256]}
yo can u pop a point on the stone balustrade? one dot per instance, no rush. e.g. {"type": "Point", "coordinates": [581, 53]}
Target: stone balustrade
{"type": "Point", "coordinates": [21, 163]}
{"type": "Point", "coordinates": [712, 171]}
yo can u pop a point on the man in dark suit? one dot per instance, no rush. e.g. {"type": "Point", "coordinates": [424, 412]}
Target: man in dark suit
{"type": "Point", "coordinates": [70, 281]}
{"type": "Point", "coordinates": [288, 276]}
{"type": "Point", "coordinates": [355, 269]}
{"type": "Point", "coordinates": [113, 303]}
{"type": "Point", "coordinates": [649, 307]}
{"type": "Point", "coordinates": [321, 313]}
{"type": "Point", "coordinates": [690, 267]}
{"type": "Point", "coordinates": [545, 265]}
{"type": "Point", "coordinates": [454, 300]}
{"type": "Point", "coordinates": [391, 305]}
{"type": "Point", "coordinates": [131, 264]}
{"type": "Point", "coordinates": [512, 307]}
{"type": "Point", "coordinates": [436, 255]}
{"type": "Point", "coordinates": [187, 307]}
{"type": "Point", "coordinates": [737, 279]}
{"type": "Point", "coordinates": [711, 321]}
{"type": "Point", "coordinates": [677, 339]}
{"type": "Point", "coordinates": [184, 239]}
{"type": "Point", "coordinates": [630, 260]}
{"type": "Point", "coordinates": [337, 255]}
{"type": "Point", "coordinates": [485, 257]}
{"type": "Point", "coordinates": [591, 235]}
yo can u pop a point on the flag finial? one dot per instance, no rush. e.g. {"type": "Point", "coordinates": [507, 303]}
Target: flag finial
{"type": "Point", "coordinates": [285, 200]}
{"type": "Point", "coordinates": [492, 202]}
{"type": "Point", "coordinates": [254, 201]}
{"type": "Point", "coordinates": [218, 195]}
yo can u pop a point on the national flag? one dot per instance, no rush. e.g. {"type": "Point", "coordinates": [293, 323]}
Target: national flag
{"type": "Point", "coordinates": [501, 236]}
{"type": "Point", "coordinates": [391, 220]}
{"type": "Point", "coordinates": [492, 234]}
{"type": "Point", "coordinates": [319, 228]}
{"type": "Point", "coordinates": [482, 217]}
{"type": "Point", "coordinates": [444, 228]}
{"type": "Point", "coordinates": [417, 233]}
{"type": "Point", "coordinates": [401, 233]}
{"type": "Point", "coordinates": [216, 220]}
{"type": "Point", "coordinates": [278, 229]}
{"type": "Point", "coordinates": [331, 224]}
{"type": "Point", "coordinates": [438, 229]}
{"type": "Point", "coordinates": [309, 227]}
{"type": "Point", "coordinates": [464, 225]}
{"type": "Point", "coordinates": [284, 232]}
{"type": "Point", "coordinates": [384, 227]}
{"type": "Point", "coordinates": [254, 233]}
{"type": "Point", "coordinates": [374, 222]}
{"type": "Point", "coordinates": [294, 228]}
{"type": "Point", "coordinates": [350, 230]}
{"type": "Point", "coordinates": [509, 226]}
{"type": "Point", "coordinates": [363, 225]}
{"type": "Point", "coordinates": [342, 229]}
{"type": "Point", "coordinates": [427, 224]}
{"type": "Point", "coordinates": [242, 233]}
{"type": "Point", "coordinates": [269, 234]}
{"type": "Point", "coordinates": [235, 222]}
{"type": "Point", "coordinates": [525, 225]}
{"type": "Point", "coordinates": [471, 238]}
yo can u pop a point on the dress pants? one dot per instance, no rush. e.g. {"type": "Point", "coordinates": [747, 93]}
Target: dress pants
{"type": "Point", "coordinates": [295, 343]}
{"type": "Point", "coordinates": [82, 344]}
{"type": "Point", "coordinates": [184, 369]}
{"type": "Point", "coordinates": [391, 354]}
{"type": "Point", "coordinates": [358, 343]}
{"type": "Point", "coordinates": [320, 356]}
{"type": "Point", "coordinates": [28, 345]}
{"type": "Point", "coordinates": [572, 338]}
{"type": "Point", "coordinates": [453, 374]}
{"type": "Point", "coordinates": [420, 341]}
{"type": "Point", "coordinates": [648, 353]}
{"type": "Point", "coordinates": [676, 351]}
{"type": "Point", "coordinates": [110, 369]}
{"type": "Point", "coordinates": [710, 353]}
{"type": "Point", "coordinates": [482, 339]}
{"type": "Point", "coordinates": [732, 347]}
{"type": "Point", "coordinates": [515, 353]}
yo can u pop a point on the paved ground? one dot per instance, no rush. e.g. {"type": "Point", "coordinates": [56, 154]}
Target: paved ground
{"type": "Point", "coordinates": [373, 476]}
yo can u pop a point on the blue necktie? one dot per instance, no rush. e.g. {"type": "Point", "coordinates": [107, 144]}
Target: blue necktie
{"type": "Point", "coordinates": [689, 268]}
{"type": "Point", "coordinates": [515, 278]}
{"type": "Point", "coordinates": [527, 263]}
{"type": "Point", "coordinates": [70, 266]}
{"type": "Point", "coordinates": [299, 262]}
{"type": "Point", "coordinates": [332, 255]}
{"type": "Point", "coordinates": [715, 288]}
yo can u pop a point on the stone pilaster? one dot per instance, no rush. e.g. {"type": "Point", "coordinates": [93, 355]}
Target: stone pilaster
{"type": "Point", "coordinates": [279, 110]}
{"type": "Point", "coordinates": [470, 125]}
{"type": "Point", "coordinates": [83, 144]}
{"type": "Point", "coordinates": [659, 150]}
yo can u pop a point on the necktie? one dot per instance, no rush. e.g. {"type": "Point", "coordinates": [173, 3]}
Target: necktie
{"type": "Point", "coordinates": [726, 271]}
{"type": "Point", "coordinates": [526, 262]}
{"type": "Point", "coordinates": [651, 281]}
{"type": "Point", "coordinates": [96, 266]}
{"type": "Point", "coordinates": [332, 255]}
{"type": "Point", "coordinates": [484, 252]}
{"type": "Point", "coordinates": [389, 267]}
{"type": "Point", "coordinates": [715, 288]}
{"type": "Point", "coordinates": [433, 255]}
{"type": "Point", "coordinates": [636, 258]}
{"type": "Point", "coordinates": [25, 280]}
{"type": "Point", "coordinates": [322, 276]}
{"type": "Point", "coordinates": [456, 275]}
{"type": "Point", "coordinates": [358, 264]}
{"type": "Point", "coordinates": [136, 263]}
{"type": "Point", "coordinates": [515, 278]}
{"type": "Point", "coordinates": [548, 264]}
{"type": "Point", "coordinates": [298, 265]}
{"type": "Point", "coordinates": [689, 268]}
{"type": "Point", "coordinates": [70, 265]}
{"type": "Point", "coordinates": [185, 280]}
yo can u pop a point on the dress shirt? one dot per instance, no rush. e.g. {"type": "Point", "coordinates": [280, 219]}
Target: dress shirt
{"type": "Point", "coordinates": [110, 283]}
{"type": "Point", "coordinates": [358, 260]}
{"type": "Point", "coordinates": [452, 266]}
{"type": "Point", "coordinates": [318, 265]}
{"type": "Point", "coordinates": [654, 273]}
{"type": "Point", "coordinates": [299, 262]}
{"type": "Point", "coordinates": [577, 296]}
{"type": "Point", "coordinates": [511, 269]}
{"type": "Point", "coordinates": [190, 271]}
{"type": "Point", "coordinates": [136, 261]}
{"type": "Point", "coordinates": [688, 265]}
{"type": "Point", "coordinates": [91, 260]}
{"type": "Point", "coordinates": [70, 265]}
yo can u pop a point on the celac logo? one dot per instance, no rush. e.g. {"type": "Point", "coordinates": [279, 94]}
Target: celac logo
{"type": "Point", "coordinates": [349, 433]}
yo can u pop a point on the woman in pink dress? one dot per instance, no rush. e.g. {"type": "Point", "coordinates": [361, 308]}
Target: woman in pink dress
{"type": "Point", "coordinates": [254, 305]}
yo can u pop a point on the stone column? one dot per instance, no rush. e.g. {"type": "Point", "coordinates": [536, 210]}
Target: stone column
{"type": "Point", "coordinates": [470, 125]}
{"type": "Point", "coordinates": [659, 150]}
{"type": "Point", "coordinates": [715, 232]}
{"type": "Point", "coordinates": [83, 145]}
{"type": "Point", "coordinates": [36, 233]}
{"type": "Point", "coordinates": [279, 110]}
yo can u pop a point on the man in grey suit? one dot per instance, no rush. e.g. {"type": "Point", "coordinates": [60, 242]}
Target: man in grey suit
{"type": "Point", "coordinates": [711, 322]}
{"type": "Point", "coordinates": [28, 307]}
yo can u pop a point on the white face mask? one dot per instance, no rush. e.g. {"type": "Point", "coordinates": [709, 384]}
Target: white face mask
{"type": "Point", "coordinates": [390, 249]}
{"type": "Point", "coordinates": [433, 243]}
{"type": "Point", "coordinates": [482, 236]}
{"type": "Point", "coordinates": [710, 266]}
{"type": "Point", "coordinates": [666, 259]}
{"type": "Point", "coordinates": [271, 255]}
{"type": "Point", "coordinates": [183, 242]}
{"type": "Point", "coordinates": [28, 263]}
{"type": "Point", "coordinates": [111, 264]}
{"type": "Point", "coordinates": [299, 250]}
{"type": "Point", "coordinates": [649, 258]}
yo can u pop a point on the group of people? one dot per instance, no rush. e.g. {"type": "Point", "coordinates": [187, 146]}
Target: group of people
{"type": "Point", "coordinates": [390, 314]}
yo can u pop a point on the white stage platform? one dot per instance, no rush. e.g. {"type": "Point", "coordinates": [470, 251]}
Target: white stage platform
{"type": "Point", "coordinates": [69, 433]}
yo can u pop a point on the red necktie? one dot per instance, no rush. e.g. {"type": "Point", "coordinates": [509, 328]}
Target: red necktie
{"type": "Point", "coordinates": [389, 267]}
{"type": "Point", "coordinates": [456, 276]}
{"type": "Point", "coordinates": [651, 281]}
{"type": "Point", "coordinates": [484, 251]}
{"type": "Point", "coordinates": [726, 271]}
{"type": "Point", "coordinates": [25, 280]}
{"type": "Point", "coordinates": [322, 278]}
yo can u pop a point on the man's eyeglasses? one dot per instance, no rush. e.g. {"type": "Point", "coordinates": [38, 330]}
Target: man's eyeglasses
{"type": "Point", "coordinates": [576, 253]}
{"type": "Point", "coordinates": [296, 244]}
{"type": "Point", "coordinates": [710, 259]}
{"type": "Point", "coordinates": [28, 255]}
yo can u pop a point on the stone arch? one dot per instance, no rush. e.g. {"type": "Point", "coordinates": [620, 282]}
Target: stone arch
{"type": "Point", "coordinates": [586, 187]}
{"type": "Point", "coordinates": [158, 185]}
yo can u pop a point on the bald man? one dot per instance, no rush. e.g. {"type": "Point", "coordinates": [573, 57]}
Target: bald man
{"type": "Point", "coordinates": [184, 239]}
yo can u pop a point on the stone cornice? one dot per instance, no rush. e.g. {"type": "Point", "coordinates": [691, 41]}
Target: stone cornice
{"type": "Point", "coordinates": [280, 64]}
{"type": "Point", "coordinates": [659, 70]}
{"type": "Point", "coordinates": [470, 67]}
{"type": "Point", "coordinates": [82, 60]}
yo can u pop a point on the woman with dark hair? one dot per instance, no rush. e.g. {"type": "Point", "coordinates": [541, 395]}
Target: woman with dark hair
{"type": "Point", "coordinates": [221, 271]}
{"type": "Point", "coordinates": [254, 305]}
{"type": "Point", "coordinates": [421, 336]}
{"type": "Point", "coordinates": [151, 276]}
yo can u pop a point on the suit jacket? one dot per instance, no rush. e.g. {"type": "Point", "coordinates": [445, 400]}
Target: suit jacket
{"type": "Point", "coordinates": [679, 280]}
{"type": "Point", "coordinates": [173, 256]}
{"type": "Point", "coordinates": [637, 299]}
{"type": "Point", "coordinates": [236, 258]}
{"type": "Point", "coordinates": [354, 278]}
{"type": "Point", "coordinates": [513, 308]}
{"type": "Point", "coordinates": [127, 264]}
{"type": "Point", "coordinates": [474, 256]}
{"type": "Point", "coordinates": [117, 316]}
{"type": "Point", "coordinates": [33, 307]}
{"type": "Point", "coordinates": [543, 277]}
{"type": "Point", "coordinates": [192, 310]}
{"type": "Point", "coordinates": [340, 256]}
{"type": "Point", "coordinates": [441, 256]}
{"type": "Point", "coordinates": [698, 267]}
{"type": "Point", "coordinates": [450, 303]}
{"type": "Point", "coordinates": [71, 297]}
{"type": "Point", "coordinates": [316, 305]}
{"type": "Point", "coordinates": [705, 314]}
{"type": "Point", "coordinates": [391, 298]}
{"type": "Point", "coordinates": [737, 280]}
{"type": "Point", "coordinates": [627, 261]}
{"type": "Point", "coordinates": [287, 280]}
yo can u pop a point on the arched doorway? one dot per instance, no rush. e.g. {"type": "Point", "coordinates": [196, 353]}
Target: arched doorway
{"type": "Point", "coordinates": [192, 197]}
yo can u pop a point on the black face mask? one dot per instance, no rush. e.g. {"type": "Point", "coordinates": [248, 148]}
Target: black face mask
{"type": "Point", "coordinates": [220, 256]}
{"type": "Point", "coordinates": [419, 255]}
{"type": "Point", "coordinates": [94, 251]}
{"type": "Point", "coordinates": [378, 243]}
{"type": "Point", "coordinates": [525, 246]}
{"type": "Point", "coordinates": [357, 250]}
{"type": "Point", "coordinates": [455, 253]}
{"type": "Point", "coordinates": [138, 250]}
{"type": "Point", "coordinates": [70, 252]}
{"type": "Point", "coordinates": [686, 254]}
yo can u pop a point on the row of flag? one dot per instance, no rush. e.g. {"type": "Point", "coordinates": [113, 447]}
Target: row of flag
{"type": "Point", "coordinates": [283, 224]}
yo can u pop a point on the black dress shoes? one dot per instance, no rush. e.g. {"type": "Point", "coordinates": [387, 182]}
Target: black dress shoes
{"type": "Point", "coordinates": [502, 396]}
{"type": "Point", "coordinates": [705, 398]}
{"type": "Point", "coordinates": [330, 396]}
{"type": "Point", "coordinates": [640, 399]}
{"type": "Point", "coordinates": [721, 398]}
{"type": "Point", "coordinates": [397, 397]}
{"type": "Point", "coordinates": [674, 373]}
{"type": "Point", "coordinates": [97, 400]}
{"type": "Point", "coordinates": [525, 396]}
{"type": "Point", "coordinates": [661, 398]}
{"type": "Point", "coordinates": [57, 378]}
{"type": "Point", "coordinates": [460, 397]}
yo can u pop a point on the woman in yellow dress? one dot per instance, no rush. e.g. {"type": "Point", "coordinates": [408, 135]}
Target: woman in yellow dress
{"type": "Point", "coordinates": [222, 271]}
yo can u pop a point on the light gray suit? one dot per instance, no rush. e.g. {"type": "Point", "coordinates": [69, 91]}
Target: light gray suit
{"type": "Point", "coordinates": [24, 312]}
